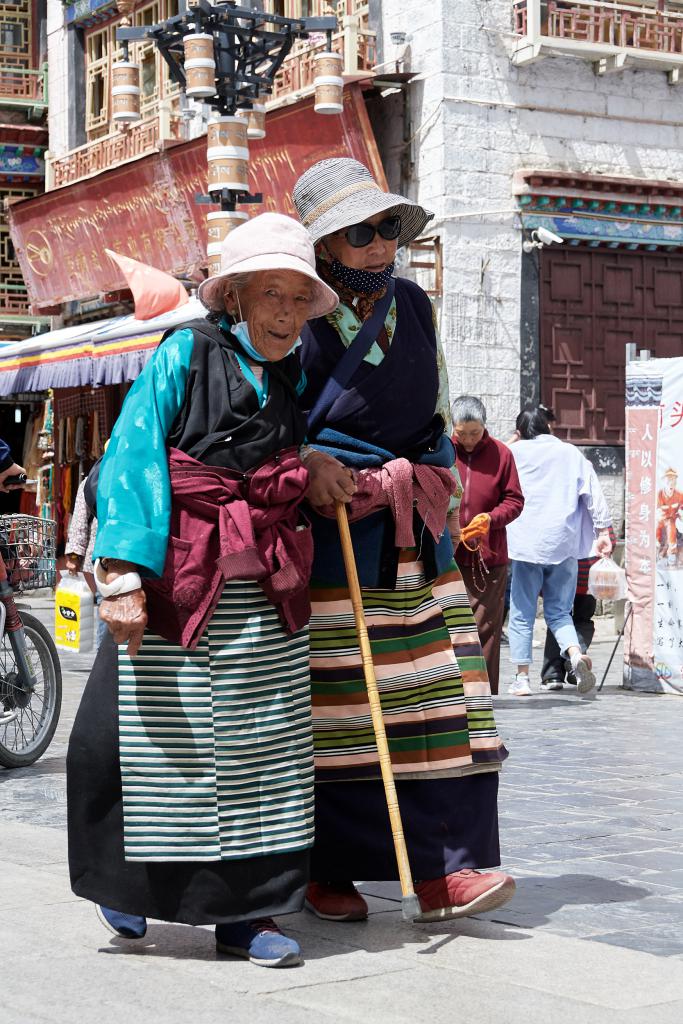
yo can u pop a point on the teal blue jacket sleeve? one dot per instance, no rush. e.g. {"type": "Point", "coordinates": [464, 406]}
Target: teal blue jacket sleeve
{"type": "Point", "coordinates": [134, 487]}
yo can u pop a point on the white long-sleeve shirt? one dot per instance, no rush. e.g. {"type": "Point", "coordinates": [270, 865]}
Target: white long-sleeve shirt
{"type": "Point", "coordinates": [563, 503]}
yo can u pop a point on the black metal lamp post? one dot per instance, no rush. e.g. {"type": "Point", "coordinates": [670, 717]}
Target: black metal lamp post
{"type": "Point", "coordinates": [248, 49]}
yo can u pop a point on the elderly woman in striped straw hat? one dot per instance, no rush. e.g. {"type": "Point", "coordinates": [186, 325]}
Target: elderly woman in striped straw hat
{"type": "Point", "coordinates": [377, 401]}
{"type": "Point", "coordinates": [190, 785]}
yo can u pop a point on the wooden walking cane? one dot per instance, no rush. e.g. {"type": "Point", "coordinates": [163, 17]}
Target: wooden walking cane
{"type": "Point", "coordinates": [410, 904]}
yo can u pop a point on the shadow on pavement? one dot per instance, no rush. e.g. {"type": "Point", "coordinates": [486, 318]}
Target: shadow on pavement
{"type": "Point", "coordinates": [319, 941]}
{"type": "Point", "coordinates": [45, 766]}
{"type": "Point", "coordinates": [537, 899]}
{"type": "Point", "coordinates": [542, 700]}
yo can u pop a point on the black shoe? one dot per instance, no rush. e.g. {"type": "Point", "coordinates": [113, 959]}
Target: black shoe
{"type": "Point", "coordinates": [552, 684]}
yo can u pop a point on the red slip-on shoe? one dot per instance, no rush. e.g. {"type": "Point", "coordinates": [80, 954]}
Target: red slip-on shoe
{"type": "Point", "coordinates": [336, 901]}
{"type": "Point", "coordinates": [463, 893]}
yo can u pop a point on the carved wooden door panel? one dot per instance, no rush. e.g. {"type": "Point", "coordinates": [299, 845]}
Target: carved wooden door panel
{"type": "Point", "coordinates": [594, 301]}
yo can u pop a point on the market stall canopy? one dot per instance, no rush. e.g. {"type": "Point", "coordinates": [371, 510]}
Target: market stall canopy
{"type": "Point", "coordinates": [105, 352]}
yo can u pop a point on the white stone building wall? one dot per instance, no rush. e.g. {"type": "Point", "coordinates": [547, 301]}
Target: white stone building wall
{"type": "Point", "coordinates": [488, 119]}
{"type": "Point", "coordinates": [58, 79]}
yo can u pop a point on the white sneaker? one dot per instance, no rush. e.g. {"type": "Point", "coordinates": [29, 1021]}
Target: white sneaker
{"type": "Point", "coordinates": [519, 687]}
{"type": "Point", "coordinates": [581, 667]}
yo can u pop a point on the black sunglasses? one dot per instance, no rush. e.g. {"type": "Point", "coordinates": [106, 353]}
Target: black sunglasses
{"type": "Point", "coordinates": [360, 235]}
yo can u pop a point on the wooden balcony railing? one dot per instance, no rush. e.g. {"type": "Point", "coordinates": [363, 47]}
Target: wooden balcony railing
{"type": "Point", "coordinates": [13, 299]}
{"type": "Point", "coordinates": [117, 148]}
{"type": "Point", "coordinates": [355, 42]}
{"type": "Point", "coordinates": [597, 29]}
{"type": "Point", "coordinates": [23, 85]}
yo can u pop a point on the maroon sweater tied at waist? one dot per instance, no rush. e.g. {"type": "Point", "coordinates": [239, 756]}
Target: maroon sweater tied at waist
{"type": "Point", "coordinates": [229, 526]}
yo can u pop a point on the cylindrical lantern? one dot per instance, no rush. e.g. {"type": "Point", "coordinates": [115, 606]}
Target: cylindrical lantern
{"type": "Point", "coordinates": [227, 131]}
{"type": "Point", "coordinates": [256, 120]}
{"type": "Point", "coordinates": [198, 45]}
{"type": "Point", "coordinates": [227, 170]}
{"type": "Point", "coordinates": [220, 223]}
{"type": "Point", "coordinates": [213, 252]}
{"type": "Point", "coordinates": [200, 67]}
{"type": "Point", "coordinates": [200, 78]}
{"type": "Point", "coordinates": [125, 92]}
{"type": "Point", "coordinates": [329, 84]}
{"type": "Point", "coordinates": [228, 154]}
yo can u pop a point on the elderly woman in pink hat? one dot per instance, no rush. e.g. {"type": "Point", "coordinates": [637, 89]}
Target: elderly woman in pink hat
{"type": "Point", "coordinates": [190, 784]}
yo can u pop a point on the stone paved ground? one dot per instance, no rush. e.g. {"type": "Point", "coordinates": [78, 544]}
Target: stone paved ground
{"type": "Point", "coordinates": [591, 826]}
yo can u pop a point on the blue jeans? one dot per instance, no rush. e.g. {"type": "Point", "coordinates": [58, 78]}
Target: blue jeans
{"type": "Point", "coordinates": [101, 628]}
{"type": "Point", "coordinates": [558, 585]}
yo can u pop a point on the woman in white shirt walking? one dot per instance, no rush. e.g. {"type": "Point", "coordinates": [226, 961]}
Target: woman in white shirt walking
{"type": "Point", "coordinates": [565, 514]}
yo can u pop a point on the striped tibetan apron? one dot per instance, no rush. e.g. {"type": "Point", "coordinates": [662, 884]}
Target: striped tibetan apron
{"type": "Point", "coordinates": [215, 744]}
{"type": "Point", "coordinates": [431, 676]}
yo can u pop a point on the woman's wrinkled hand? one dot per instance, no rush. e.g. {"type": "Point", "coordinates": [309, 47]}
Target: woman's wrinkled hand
{"type": "Point", "coordinates": [329, 480]}
{"type": "Point", "coordinates": [126, 616]}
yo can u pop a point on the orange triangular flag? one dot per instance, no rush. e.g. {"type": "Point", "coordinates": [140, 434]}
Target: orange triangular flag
{"type": "Point", "coordinates": [154, 291]}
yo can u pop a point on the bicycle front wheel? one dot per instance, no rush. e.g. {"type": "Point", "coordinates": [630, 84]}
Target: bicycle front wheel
{"type": "Point", "coordinates": [28, 734]}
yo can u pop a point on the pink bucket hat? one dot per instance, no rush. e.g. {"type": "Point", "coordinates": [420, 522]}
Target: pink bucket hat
{"type": "Point", "coordinates": [270, 241]}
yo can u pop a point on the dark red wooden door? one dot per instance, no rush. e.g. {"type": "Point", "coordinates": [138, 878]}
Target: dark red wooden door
{"type": "Point", "coordinates": [594, 301]}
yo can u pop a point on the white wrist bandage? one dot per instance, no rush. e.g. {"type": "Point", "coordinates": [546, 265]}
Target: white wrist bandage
{"type": "Point", "coordinates": [124, 584]}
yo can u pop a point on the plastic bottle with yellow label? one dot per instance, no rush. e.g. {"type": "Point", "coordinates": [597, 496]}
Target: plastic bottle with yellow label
{"type": "Point", "coordinates": [74, 615]}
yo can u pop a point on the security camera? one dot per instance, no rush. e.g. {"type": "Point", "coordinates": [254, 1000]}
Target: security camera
{"type": "Point", "coordinates": [547, 237]}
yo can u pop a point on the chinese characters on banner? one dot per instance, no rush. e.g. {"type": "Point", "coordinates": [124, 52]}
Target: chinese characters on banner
{"type": "Point", "coordinates": [654, 531]}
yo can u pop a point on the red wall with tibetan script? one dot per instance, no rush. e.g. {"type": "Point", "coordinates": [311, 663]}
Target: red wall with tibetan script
{"type": "Point", "coordinates": [146, 209]}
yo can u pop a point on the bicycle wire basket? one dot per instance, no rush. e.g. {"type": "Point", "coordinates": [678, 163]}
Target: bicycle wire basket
{"type": "Point", "coordinates": [27, 545]}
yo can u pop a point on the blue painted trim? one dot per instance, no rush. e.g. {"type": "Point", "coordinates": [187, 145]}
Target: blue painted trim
{"type": "Point", "coordinates": [88, 12]}
{"type": "Point", "coordinates": [630, 232]}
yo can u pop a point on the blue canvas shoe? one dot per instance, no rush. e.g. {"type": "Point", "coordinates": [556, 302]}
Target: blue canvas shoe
{"type": "Point", "coordinates": [260, 941]}
{"type": "Point", "coordinates": [128, 926]}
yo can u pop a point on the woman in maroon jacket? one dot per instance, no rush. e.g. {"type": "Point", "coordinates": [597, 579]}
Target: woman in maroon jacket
{"type": "Point", "coordinates": [491, 486]}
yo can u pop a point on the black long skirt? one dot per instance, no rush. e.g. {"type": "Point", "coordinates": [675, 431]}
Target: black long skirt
{"type": "Point", "coordinates": [187, 892]}
{"type": "Point", "coordinates": [449, 824]}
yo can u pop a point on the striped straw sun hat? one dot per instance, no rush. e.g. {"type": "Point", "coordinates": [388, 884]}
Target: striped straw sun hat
{"type": "Point", "coordinates": [334, 194]}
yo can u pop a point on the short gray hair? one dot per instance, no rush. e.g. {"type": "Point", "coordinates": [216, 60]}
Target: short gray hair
{"type": "Point", "coordinates": [236, 281]}
{"type": "Point", "coordinates": [467, 408]}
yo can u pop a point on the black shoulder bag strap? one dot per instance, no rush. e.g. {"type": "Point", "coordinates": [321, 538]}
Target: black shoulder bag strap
{"type": "Point", "coordinates": [352, 358]}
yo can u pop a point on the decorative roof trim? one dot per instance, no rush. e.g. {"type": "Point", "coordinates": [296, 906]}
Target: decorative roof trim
{"type": "Point", "coordinates": [629, 213]}
{"type": "Point", "coordinates": [85, 13]}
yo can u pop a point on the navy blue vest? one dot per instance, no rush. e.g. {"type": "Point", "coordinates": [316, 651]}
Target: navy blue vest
{"type": "Point", "coordinates": [390, 405]}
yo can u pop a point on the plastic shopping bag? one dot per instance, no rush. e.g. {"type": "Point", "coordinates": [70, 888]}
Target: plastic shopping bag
{"type": "Point", "coordinates": [607, 580]}
{"type": "Point", "coordinates": [74, 615]}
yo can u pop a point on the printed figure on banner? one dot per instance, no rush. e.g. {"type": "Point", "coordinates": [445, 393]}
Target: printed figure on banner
{"type": "Point", "coordinates": [670, 521]}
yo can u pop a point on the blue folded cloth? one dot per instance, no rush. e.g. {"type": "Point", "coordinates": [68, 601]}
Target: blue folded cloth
{"type": "Point", "coordinates": [363, 455]}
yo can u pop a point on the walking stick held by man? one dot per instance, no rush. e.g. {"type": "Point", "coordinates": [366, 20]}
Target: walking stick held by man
{"type": "Point", "coordinates": [410, 905]}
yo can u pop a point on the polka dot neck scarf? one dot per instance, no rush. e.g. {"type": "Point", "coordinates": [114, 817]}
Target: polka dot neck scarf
{"type": "Point", "coordinates": [362, 282]}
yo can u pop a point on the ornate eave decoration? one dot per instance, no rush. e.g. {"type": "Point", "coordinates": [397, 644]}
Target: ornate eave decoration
{"type": "Point", "coordinates": [85, 13]}
{"type": "Point", "coordinates": [619, 213]}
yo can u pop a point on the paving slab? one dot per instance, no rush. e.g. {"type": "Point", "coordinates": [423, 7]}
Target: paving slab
{"type": "Point", "coordinates": [591, 826]}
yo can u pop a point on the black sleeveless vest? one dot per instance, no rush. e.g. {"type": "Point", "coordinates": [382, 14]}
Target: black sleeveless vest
{"type": "Point", "coordinates": [221, 422]}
